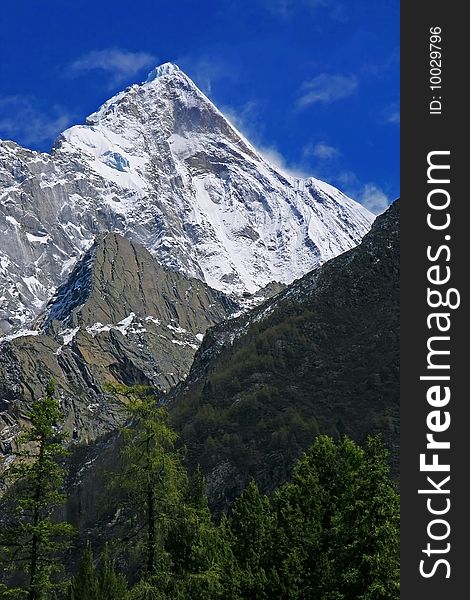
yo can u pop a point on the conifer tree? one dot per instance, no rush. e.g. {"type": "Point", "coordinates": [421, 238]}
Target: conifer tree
{"type": "Point", "coordinates": [32, 540]}
{"type": "Point", "coordinates": [85, 584]}
{"type": "Point", "coordinates": [185, 554]}
{"type": "Point", "coordinates": [251, 529]}
{"type": "Point", "coordinates": [152, 479]}
{"type": "Point", "coordinates": [111, 585]}
{"type": "Point", "coordinates": [97, 583]}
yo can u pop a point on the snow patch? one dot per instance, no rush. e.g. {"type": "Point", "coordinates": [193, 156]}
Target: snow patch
{"type": "Point", "coordinates": [125, 323]}
{"type": "Point", "coordinates": [153, 320]}
{"type": "Point", "coordinates": [17, 334]}
{"type": "Point", "coordinates": [177, 329]}
{"type": "Point", "coordinates": [123, 326]}
{"type": "Point", "coordinates": [36, 239]}
{"type": "Point", "coordinates": [13, 221]}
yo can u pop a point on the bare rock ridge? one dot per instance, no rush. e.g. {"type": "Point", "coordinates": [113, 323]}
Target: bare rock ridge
{"type": "Point", "coordinates": [160, 165]}
{"type": "Point", "coordinates": [120, 317]}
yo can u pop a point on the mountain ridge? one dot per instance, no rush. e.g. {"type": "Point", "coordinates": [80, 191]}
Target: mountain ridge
{"type": "Point", "coordinates": [159, 164]}
{"type": "Point", "coordinates": [119, 318]}
{"type": "Point", "coordinates": [322, 356]}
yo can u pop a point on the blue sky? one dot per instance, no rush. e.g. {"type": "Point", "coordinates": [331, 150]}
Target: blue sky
{"type": "Point", "coordinates": [314, 84]}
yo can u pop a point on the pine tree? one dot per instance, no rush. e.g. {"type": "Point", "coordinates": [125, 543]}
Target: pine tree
{"type": "Point", "coordinates": [203, 565]}
{"type": "Point", "coordinates": [85, 584]}
{"type": "Point", "coordinates": [348, 519]}
{"type": "Point", "coordinates": [97, 583]}
{"type": "Point", "coordinates": [111, 585]}
{"type": "Point", "coordinates": [251, 530]}
{"type": "Point", "coordinates": [331, 532]}
{"type": "Point", "coordinates": [31, 542]}
{"type": "Point", "coordinates": [364, 541]}
{"type": "Point", "coordinates": [152, 478]}
{"type": "Point", "coordinates": [299, 510]}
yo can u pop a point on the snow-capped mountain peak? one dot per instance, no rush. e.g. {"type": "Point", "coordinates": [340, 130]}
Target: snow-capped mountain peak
{"type": "Point", "coordinates": [167, 68]}
{"type": "Point", "coordinates": [161, 165]}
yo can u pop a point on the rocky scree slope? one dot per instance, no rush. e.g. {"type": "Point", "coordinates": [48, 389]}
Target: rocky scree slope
{"type": "Point", "coordinates": [159, 164]}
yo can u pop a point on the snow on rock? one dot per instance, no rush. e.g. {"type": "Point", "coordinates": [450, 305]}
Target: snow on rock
{"type": "Point", "coordinates": [17, 334]}
{"type": "Point", "coordinates": [68, 335]}
{"type": "Point", "coordinates": [160, 164]}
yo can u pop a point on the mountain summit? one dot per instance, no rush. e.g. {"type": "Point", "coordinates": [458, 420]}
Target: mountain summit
{"type": "Point", "coordinates": [159, 164]}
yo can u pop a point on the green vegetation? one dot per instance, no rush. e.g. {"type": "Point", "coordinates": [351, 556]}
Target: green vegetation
{"type": "Point", "coordinates": [324, 359]}
{"type": "Point", "coordinates": [31, 539]}
{"type": "Point", "coordinates": [100, 582]}
{"type": "Point", "coordinates": [330, 532]}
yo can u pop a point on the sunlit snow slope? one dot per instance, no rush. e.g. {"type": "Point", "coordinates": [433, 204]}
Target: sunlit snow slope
{"type": "Point", "coordinates": [161, 165]}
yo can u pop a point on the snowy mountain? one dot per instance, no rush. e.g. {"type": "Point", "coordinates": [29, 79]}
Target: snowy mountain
{"type": "Point", "coordinates": [159, 164]}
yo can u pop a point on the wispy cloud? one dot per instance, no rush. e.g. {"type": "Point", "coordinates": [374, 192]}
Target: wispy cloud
{"type": "Point", "coordinates": [23, 120]}
{"type": "Point", "coordinates": [321, 150]}
{"type": "Point", "coordinates": [374, 198]}
{"type": "Point", "coordinates": [391, 114]}
{"type": "Point", "coordinates": [272, 155]}
{"type": "Point", "coordinates": [380, 69]}
{"type": "Point", "coordinates": [369, 194]}
{"type": "Point", "coordinates": [327, 88]}
{"type": "Point", "coordinates": [286, 8]}
{"type": "Point", "coordinates": [207, 71]}
{"type": "Point", "coordinates": [248, 120]}
{"type": "Point", "coordinates": [119, 64]}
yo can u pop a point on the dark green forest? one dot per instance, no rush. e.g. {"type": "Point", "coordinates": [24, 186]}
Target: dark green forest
{"type": "Point", "coordinates": [322, 358]}
{"type": "Point", "coordinates": [331, 532]}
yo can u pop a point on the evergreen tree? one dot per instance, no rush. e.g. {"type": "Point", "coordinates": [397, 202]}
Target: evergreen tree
{"type": "Point", "coordinates": [203, 565]}
{"type": "Point", "coordinates": [31, 542]}
{"type": "Point", "coordinates": [251, 529]}
{"type": "Point", "coordinates": [186, 556]}
{"type": "Point", "coordinates": [299, 514]}
{"type": "Point", "coordinates": [152, 480]}
{"type": "Point", "coordinates": [344, 532]}
{"type": "Point", "coordinates": [363, 549]}
{"type": "Point", "coordinates": [111, 585]}
{"type": "Point", "coordinates": [102, 583]}
{"type": "Point", "coordinates": [85, 584]}
{"type": "Point", "coordinates": [331, 532]}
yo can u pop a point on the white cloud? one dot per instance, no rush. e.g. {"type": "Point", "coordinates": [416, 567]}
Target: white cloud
{"type": "Point", "coordinates": [327, 88]}
{"type": "Point", "coordinates": [119, 64]}
{"type": "Point", "coordinates": [380, 69]}
{"type": "Point", "coordinates": [394, 117]}
{"type": "Point", "coordinates": [391, 114]}
{"type": "Point", "coordinates": [321, 150]}
{"type": "Point", "coordinates": [369, 194]}
{"type": "Point", "coordinates": [22, 120]}
{"type": "Point", "coordinates": [374, 198]}
{"type": "Point", "coordinates": [206, 71]}
{"type": "Point", "coordinates": [273, 156]}
{"type": "Point", "coordinates": [247, 120]}
{"type": "Point", "coordinates": [285, 8]}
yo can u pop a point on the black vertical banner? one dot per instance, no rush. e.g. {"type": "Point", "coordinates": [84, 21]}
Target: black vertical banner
{"type": "Point", "coordinates": [435, 266]}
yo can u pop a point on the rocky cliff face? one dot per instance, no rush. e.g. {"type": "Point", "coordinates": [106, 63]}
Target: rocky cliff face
{"type": "Point", "coordinates": [120, 317]}
{"type": "Point", "coordinates": [160, 165]}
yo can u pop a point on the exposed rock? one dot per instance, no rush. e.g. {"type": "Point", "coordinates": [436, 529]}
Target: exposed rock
{"type": "Point", "coordinates": [120, 317]}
